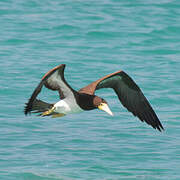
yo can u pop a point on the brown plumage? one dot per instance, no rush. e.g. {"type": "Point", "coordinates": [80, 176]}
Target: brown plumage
{"type": "Point", "coordinates": [126, 89]}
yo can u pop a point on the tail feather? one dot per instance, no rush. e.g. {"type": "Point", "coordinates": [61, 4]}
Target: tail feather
{"type": "Point", "coordinates": [37, 106]}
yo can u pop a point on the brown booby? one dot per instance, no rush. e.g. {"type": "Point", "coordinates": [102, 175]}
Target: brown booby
{"type": "Point", "coordinates": [72, 101]}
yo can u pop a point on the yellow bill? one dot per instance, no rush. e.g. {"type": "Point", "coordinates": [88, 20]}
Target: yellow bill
{"type": "Point", "coordinates": [104, 107]}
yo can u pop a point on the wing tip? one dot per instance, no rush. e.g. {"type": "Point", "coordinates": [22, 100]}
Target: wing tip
{"type": "Point", "coordinates": [156, 124]}
{"type": "Point", "coordinates": [28, 108]}
{"type": "Point", "coordinates": [159, 127]}
{"type": "Point", "coordinates": [153, 121]}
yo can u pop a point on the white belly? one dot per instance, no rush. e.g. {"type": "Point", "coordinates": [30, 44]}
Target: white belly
{"type": "Point", "coordinates": [67, 106]}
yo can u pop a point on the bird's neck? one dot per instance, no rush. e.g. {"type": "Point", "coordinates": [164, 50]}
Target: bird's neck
{"type": "Point", "coordinates": [85, 101]}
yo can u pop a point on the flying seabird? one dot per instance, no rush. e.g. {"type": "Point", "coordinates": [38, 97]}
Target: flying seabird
{"type": "Point", "coordinates": [72, 101]}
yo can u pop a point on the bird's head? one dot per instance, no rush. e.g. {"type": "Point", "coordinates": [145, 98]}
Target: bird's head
{"type": "Point", "coordinates": [102, 104]}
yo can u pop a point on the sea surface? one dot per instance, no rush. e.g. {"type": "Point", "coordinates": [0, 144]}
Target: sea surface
{"type": "Point", "coordinates": [93, 38]}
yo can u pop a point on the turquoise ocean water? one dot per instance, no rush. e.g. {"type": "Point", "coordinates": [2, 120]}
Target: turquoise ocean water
{"type": "Point", "coordinates": [94, 38]}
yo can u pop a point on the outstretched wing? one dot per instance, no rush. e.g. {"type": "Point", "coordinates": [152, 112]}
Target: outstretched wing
{"type": "Point", "coordinates": [129, 94]}
{"type": "Point", "coordinates": [54, 80]}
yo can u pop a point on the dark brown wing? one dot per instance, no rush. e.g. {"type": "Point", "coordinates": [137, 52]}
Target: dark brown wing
{"type": "Point", "coordinates": [129, 94]}
{"type": "Point", "coordinates": [54, 80]}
